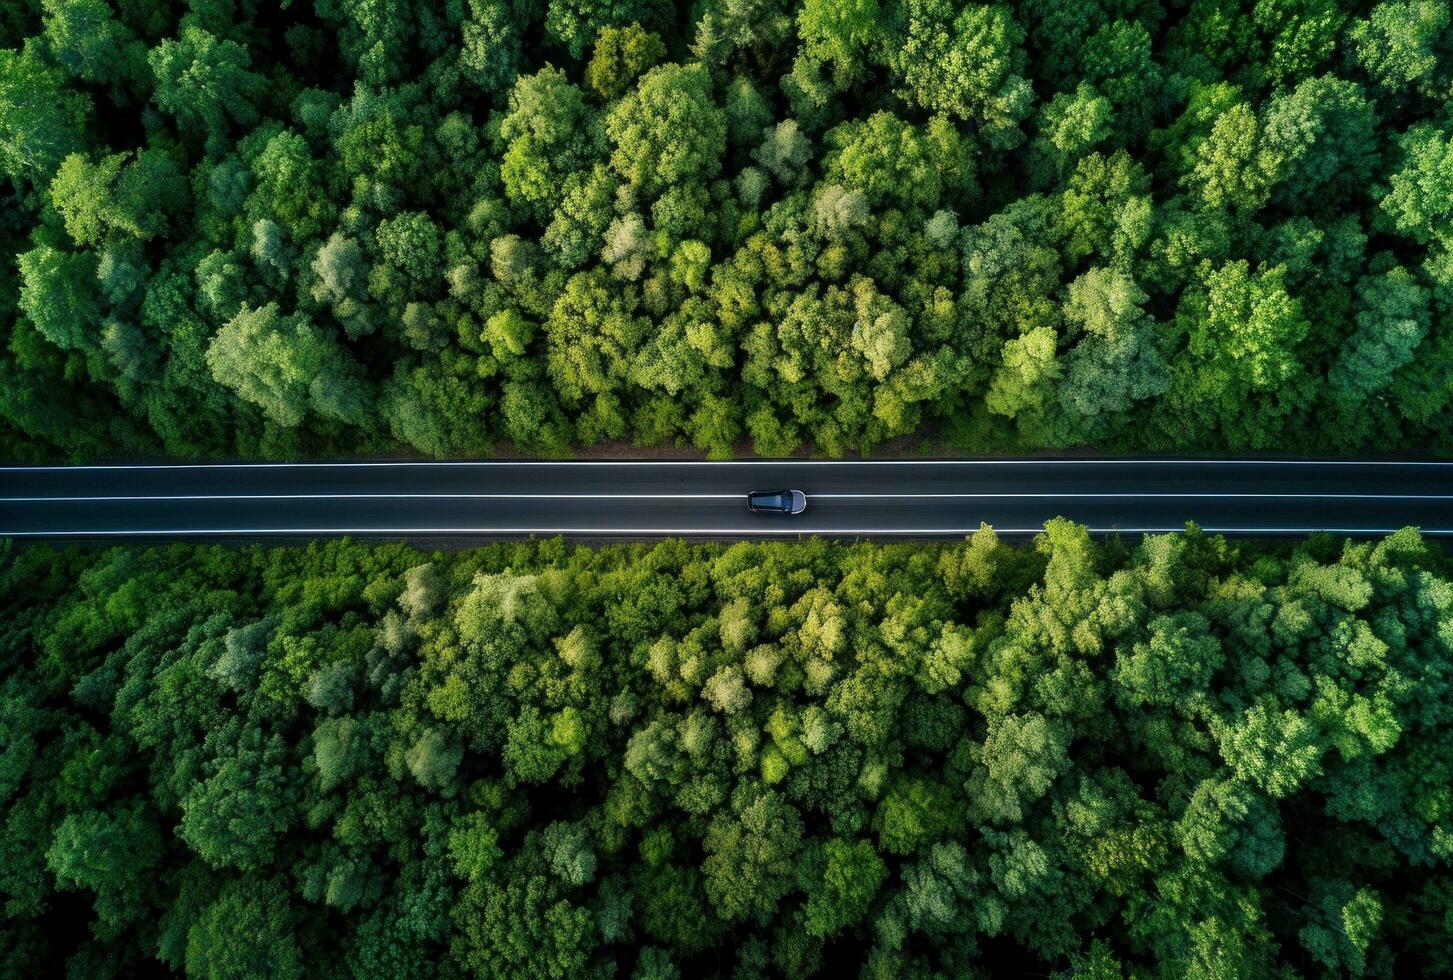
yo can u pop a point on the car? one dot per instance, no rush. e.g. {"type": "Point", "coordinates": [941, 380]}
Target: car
{"type": "Point", "coordinates": [784, 502]}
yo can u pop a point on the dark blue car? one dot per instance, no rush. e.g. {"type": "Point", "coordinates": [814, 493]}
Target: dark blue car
{"type": "Point", "coordinates": [783, 502]}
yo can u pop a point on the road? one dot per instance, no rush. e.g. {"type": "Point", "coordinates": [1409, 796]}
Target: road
{"type": "Point", "coordinates": [927, 498]}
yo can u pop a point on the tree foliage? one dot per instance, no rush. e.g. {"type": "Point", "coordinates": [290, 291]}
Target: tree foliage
{"type": "Point", "coordinates": [760, 226]}
{"type": "Point", "coordinates": [1178, 755]}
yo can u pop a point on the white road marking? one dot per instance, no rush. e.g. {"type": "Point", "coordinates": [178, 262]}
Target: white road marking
{"type": "Point", "coordinates": [696, 532]}
{"type": "Point", "coordinates": [1108, 495]}
{"type": "Point", "coordinates": [668, 463]}
{"type": "Point", "coordinates": [390, 496]}
{"type": "Point", "coordinates": [886, 496]}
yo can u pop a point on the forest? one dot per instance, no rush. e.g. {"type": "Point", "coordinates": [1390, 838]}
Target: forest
{"type": "Point", "coordinates": [459, 227]}
{"type": "Point", "coordinates": [1181, 756]}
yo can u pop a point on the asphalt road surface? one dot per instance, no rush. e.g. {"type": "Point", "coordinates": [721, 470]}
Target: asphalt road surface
{"type": "Point", "coordinates": [927, 498]}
